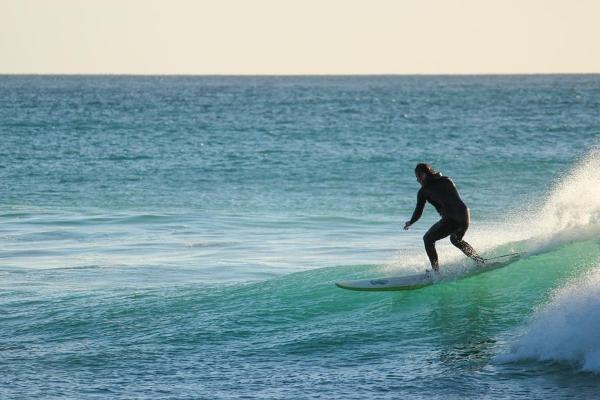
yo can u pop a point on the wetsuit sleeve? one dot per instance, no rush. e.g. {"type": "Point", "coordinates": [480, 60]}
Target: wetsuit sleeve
{"type": "Point", "coordinates": [419, 208]}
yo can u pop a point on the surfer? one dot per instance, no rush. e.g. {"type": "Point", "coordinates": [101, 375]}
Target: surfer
{"type": "Point", "coordinates": [442, 194]}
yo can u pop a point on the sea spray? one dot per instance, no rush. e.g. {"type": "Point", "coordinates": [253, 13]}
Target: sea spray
{"type": "Point", "coordinates": [572, 210]}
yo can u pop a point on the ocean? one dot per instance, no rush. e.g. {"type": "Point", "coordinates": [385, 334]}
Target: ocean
{"type": "Point", "coordinates": [179, 237]}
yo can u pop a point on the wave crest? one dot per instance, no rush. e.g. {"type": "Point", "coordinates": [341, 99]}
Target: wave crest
{"type": "Point", "coordinates": [566, 329]}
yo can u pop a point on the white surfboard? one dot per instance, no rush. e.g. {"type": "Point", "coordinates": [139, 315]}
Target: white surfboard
{"type": "Point", "coordinates": [418, 281]}
{"type": "Point", "coordinates": [393, 283]}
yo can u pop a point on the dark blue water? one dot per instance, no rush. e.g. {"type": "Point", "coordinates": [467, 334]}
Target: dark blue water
{"type": "Point", "coordinates": [178, 237]}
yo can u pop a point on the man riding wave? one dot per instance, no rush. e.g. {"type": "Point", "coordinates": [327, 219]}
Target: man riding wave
{"type": "Point", "coordinates": [442, 194]}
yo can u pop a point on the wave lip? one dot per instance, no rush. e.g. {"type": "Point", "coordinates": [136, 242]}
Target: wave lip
{"type": "Point", "coordinates": [566, 329]}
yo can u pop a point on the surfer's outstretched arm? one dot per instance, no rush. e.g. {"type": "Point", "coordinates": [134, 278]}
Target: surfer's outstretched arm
{"type": "Point", "coordinates": [418, 209]}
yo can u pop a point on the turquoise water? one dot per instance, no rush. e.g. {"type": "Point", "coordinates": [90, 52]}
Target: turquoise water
{"type": "Point", "coordinates": [179, 237]}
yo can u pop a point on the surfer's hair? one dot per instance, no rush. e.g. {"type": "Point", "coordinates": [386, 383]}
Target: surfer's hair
{"type": "Point", "coordinates": [427, 169]}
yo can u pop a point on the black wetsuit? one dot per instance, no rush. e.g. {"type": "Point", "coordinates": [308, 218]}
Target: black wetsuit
{"type": "Point", "coordinates": [442, 194]}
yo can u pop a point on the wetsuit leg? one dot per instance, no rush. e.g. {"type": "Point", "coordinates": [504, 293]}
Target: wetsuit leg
{"type": "Point", "coordinates": [457, 240]}
{"type": "Point", "coordinates": [438, 231]}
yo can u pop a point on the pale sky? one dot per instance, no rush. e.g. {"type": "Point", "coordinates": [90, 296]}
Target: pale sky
{"type": "Point", "coordinates": [299, 36]}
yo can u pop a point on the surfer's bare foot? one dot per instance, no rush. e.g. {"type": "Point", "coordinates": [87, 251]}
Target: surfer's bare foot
{"type": "Point", "coordinates": [479, 261]}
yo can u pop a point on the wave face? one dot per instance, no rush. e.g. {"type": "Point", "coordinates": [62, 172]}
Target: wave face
{"type": "Point", "coordinates": [179, 237]}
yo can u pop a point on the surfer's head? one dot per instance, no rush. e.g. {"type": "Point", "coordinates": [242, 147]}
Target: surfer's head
{"type": "Point", "coordinates": [422, 171]}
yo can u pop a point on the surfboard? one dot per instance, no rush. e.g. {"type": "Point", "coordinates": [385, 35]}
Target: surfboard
{"type": "Point", "coordinates": [411, 282]}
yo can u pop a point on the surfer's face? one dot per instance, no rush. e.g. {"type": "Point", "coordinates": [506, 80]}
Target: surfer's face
{"type": "Point", "coordinates": [421, 178]}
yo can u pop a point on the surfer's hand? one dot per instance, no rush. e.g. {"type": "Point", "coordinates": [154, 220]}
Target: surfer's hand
{"type": "Point", "coordinates": [407, 225]}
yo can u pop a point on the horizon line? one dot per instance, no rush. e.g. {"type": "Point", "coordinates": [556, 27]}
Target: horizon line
{"type": "Point", "coordinates": [291, 75]}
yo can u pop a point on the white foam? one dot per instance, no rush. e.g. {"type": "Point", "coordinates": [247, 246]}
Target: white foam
{"type": "Point", "coordinates": [566, 329]}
